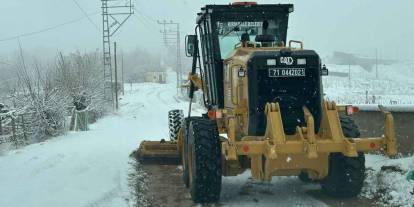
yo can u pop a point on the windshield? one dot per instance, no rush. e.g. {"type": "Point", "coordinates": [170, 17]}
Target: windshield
{"type": "Point", "coordinates": [230, 32]}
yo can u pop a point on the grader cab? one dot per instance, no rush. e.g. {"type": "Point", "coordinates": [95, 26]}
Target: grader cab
{"type": "Point", "coordinates": [265, 108]}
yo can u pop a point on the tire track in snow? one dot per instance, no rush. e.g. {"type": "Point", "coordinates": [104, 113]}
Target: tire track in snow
{"type": "Point", "coordinates": [160, 97]}
{"type": "Point", "coordinates": [105, 199]}
{"type": "Point", "coordinates": [151, 95]}
{"type": "Point", "coordinates": [49, 163]}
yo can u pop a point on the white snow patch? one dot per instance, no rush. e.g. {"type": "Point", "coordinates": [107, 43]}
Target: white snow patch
{"type": "Point", "coordinates": [389, 187]}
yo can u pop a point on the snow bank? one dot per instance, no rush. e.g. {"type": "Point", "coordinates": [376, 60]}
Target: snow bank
{"type": "Point", "coordinates": [387, 181]}
{"type": "Point", "coordinates": [138, 186]}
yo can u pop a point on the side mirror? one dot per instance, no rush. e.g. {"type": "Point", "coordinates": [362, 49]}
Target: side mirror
{"type": "Point", "coordinates": [324, 71]}
{"type": "Point", "coordinates": [190, 42]}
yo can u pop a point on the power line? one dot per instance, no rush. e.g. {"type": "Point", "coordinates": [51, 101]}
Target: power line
{"type": "Point", "coordinates": [21, 54]}
{"type": "Point", "coordinates": [144, 21]}
{"type": "Point", "coordinates": [143, 14]}
{"type": "Point", "coordinates": [47, 28]}
{"type": "Point", "coordinates": [86, 15]}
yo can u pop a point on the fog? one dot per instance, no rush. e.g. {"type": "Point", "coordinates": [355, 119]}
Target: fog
{"type": "Point", "coordinates": [324, 25]}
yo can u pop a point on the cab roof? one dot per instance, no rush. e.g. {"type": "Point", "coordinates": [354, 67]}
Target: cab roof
{"type": "Point", "coordinates": [218, 10]}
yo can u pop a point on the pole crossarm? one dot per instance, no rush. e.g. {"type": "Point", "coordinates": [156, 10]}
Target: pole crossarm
{"type": "Point", "coordinates": [171, 38]}
{"type": "Point", "coordinates": [114, 16]}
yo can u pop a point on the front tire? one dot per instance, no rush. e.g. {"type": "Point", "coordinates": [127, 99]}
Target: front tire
{"type": "Point", "coordinates": [204, 160]}
{"type": "Point", "coordinates": [185, 129]}
{"type": "Point", "coordinates": [175, 118]}
{"type": "Point", "coordinates": [346, 174]}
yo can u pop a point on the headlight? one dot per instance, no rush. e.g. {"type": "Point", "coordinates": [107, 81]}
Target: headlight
{"type": "Point", "coordinates": [301, 61]}
{"type": "Point", "coordinates": [271, 61]}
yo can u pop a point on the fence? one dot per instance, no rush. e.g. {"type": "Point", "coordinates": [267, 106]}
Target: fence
{"type": "Point", "coordinates": [14, 128]}
{"type": "Point", "coordinates": [79, 120]}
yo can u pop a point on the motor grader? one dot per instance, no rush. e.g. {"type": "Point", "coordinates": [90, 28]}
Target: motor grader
{"type": "Point", "coordinates": [265, 109]}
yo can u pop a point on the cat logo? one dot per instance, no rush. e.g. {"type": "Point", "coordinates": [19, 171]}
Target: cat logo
{"type": "Point", "coordinates": [286, 60]}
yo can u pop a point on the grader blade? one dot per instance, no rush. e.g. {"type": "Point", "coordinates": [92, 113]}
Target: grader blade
{"type": "Point", "coordinates": [158, 152]}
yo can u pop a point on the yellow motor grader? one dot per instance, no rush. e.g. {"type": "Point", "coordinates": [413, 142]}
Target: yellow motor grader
{"type": "Point", "coordinates": [265, 109]}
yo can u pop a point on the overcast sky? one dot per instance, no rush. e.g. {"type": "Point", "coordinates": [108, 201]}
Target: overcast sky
{"type": "Point", "coordinates": [358, 26]}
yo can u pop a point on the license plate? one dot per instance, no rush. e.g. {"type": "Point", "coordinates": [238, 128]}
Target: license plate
{"type": "Point", "coordinates": [287, 72]}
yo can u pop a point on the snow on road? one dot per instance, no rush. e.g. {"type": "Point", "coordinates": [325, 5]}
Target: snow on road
{"type": "Point", "coordinates": [389, 186]}
{"type": "Point", "coordinates": [87, 169]}
{"type": "Point", "coordinates": [241, 191]}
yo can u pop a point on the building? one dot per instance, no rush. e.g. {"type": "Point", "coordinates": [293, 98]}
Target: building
{"type": "Point", "coordinates": [156, 77]}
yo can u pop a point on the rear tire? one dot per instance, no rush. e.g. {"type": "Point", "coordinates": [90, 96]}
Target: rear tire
{"type": "Point", "coordinates": [346, 174]}
{"type": "Point", "coordinates": [175, 118]}
{"type": "Point", "coordinates": [205, 161]}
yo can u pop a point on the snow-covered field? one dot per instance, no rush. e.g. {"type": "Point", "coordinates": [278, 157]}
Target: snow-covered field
{"type": "Point", "coordinates": [90, 169]}
{"type": "Point", "coordinates": [394, 85]}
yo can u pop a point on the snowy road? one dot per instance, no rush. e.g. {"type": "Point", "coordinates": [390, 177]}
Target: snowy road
{"type": "Point", "coordinates": [87, 168]}
{"type": "Point", "coordinates": [90, 169]}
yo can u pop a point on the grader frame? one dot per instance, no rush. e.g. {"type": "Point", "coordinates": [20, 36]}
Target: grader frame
{"type": "Point", "coordinates": [276, 153]}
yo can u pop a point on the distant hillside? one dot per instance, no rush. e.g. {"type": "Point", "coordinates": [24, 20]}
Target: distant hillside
{"type": "Point", "coordinates": [342, 58]}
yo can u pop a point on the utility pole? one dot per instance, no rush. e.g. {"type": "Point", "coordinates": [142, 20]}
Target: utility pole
{"type": "Point", "coordinates": [172, 38]}
{"type": "Point", "coordinates": [116, 78]}
{"type": "Point", "coordinates": [113, 17]}
{"type": "Point", "coordinates": [179, 66]}
{"type": "Point", "coordinates": [349, 72]}
{"type": "Point", "coordinates": [122, 73]}
{"type": "Point", "coordinates": [376, 63]}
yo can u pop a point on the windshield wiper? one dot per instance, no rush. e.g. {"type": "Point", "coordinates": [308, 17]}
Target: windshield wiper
{"type": "Point", "coordinates": [232, 30]}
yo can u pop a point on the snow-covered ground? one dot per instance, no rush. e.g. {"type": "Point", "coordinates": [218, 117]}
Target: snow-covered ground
{"type": "Point", "coordinates": [90, 169]}
{"type": "Point", "coordinates": [394, 85]}
{"type": "Point", "coordinates": [387, 181]}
